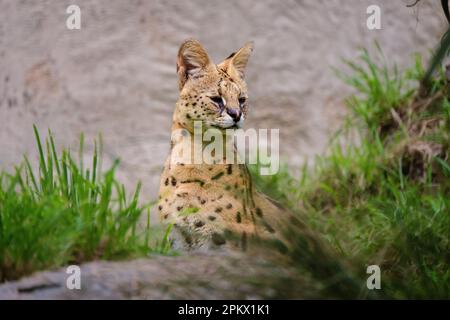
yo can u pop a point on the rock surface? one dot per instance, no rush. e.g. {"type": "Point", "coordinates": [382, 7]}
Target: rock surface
{"type": "Point", "coordinates": [184, 277]}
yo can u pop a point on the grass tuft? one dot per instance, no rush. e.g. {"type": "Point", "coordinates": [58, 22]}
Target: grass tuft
{"type": "Point", "coordinates": [65, 212]}
{"type": "Point", "coordinates": [385, 199]}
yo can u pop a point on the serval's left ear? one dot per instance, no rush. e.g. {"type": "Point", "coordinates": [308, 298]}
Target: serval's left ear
{"type": "Point", "coordinates": [237, 61]}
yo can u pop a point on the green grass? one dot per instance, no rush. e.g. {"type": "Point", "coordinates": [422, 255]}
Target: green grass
{"type": "Point", "coordinates": [67, 212]}
{"type": "Point", "coordinates": [384, 200]}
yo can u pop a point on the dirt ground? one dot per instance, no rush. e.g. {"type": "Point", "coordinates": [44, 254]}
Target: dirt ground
{"type": "Point", "coordinates": [116, 76]}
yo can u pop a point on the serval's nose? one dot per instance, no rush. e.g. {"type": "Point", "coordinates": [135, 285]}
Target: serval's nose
{"type": "Point", "coordinates": [235, 114]}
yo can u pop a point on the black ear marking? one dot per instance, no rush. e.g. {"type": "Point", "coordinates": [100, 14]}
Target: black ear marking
{"type": "Point", "coordinates": [231, 55]}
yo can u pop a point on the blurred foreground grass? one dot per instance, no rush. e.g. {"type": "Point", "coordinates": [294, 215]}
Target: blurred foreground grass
{"type": "Point", "coordinates": [384, 200]}
{"type": "Point", "coordinates": [67, 212]}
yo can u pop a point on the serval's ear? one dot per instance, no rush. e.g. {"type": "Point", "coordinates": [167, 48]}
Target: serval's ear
{"type": "Point", "coordinates": [237, 61]}
{"type": "Point", "coordinates": [192, 60]}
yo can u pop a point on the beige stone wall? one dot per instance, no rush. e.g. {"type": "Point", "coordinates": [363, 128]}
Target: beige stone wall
{"type": "Point", "coordinates": [117, 74]}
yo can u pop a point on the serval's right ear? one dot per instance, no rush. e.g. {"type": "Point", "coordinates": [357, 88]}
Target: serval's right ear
{"type": "Point", "coordinates": [192, 60]}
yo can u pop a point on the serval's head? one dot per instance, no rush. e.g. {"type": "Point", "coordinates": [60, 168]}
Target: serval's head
{"type": "Point", "coordinates": [214, 94]}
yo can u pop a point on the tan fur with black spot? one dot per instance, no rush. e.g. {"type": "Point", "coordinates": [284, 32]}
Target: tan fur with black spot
{"type": "Point", "coordinates": [209, 204]}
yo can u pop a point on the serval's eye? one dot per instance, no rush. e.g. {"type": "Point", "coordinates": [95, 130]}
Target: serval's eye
{"type": "Point", "coordinates": [218, 102]}
{"type": "Point", "coordinates": [242, 101]}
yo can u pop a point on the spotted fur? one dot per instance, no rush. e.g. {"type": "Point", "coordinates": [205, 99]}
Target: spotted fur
{"type": "Point", "coordinates": [209, 204]}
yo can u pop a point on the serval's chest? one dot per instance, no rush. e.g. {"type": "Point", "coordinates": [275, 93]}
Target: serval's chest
{"type": "Point", "coordinates": [211, 205]}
